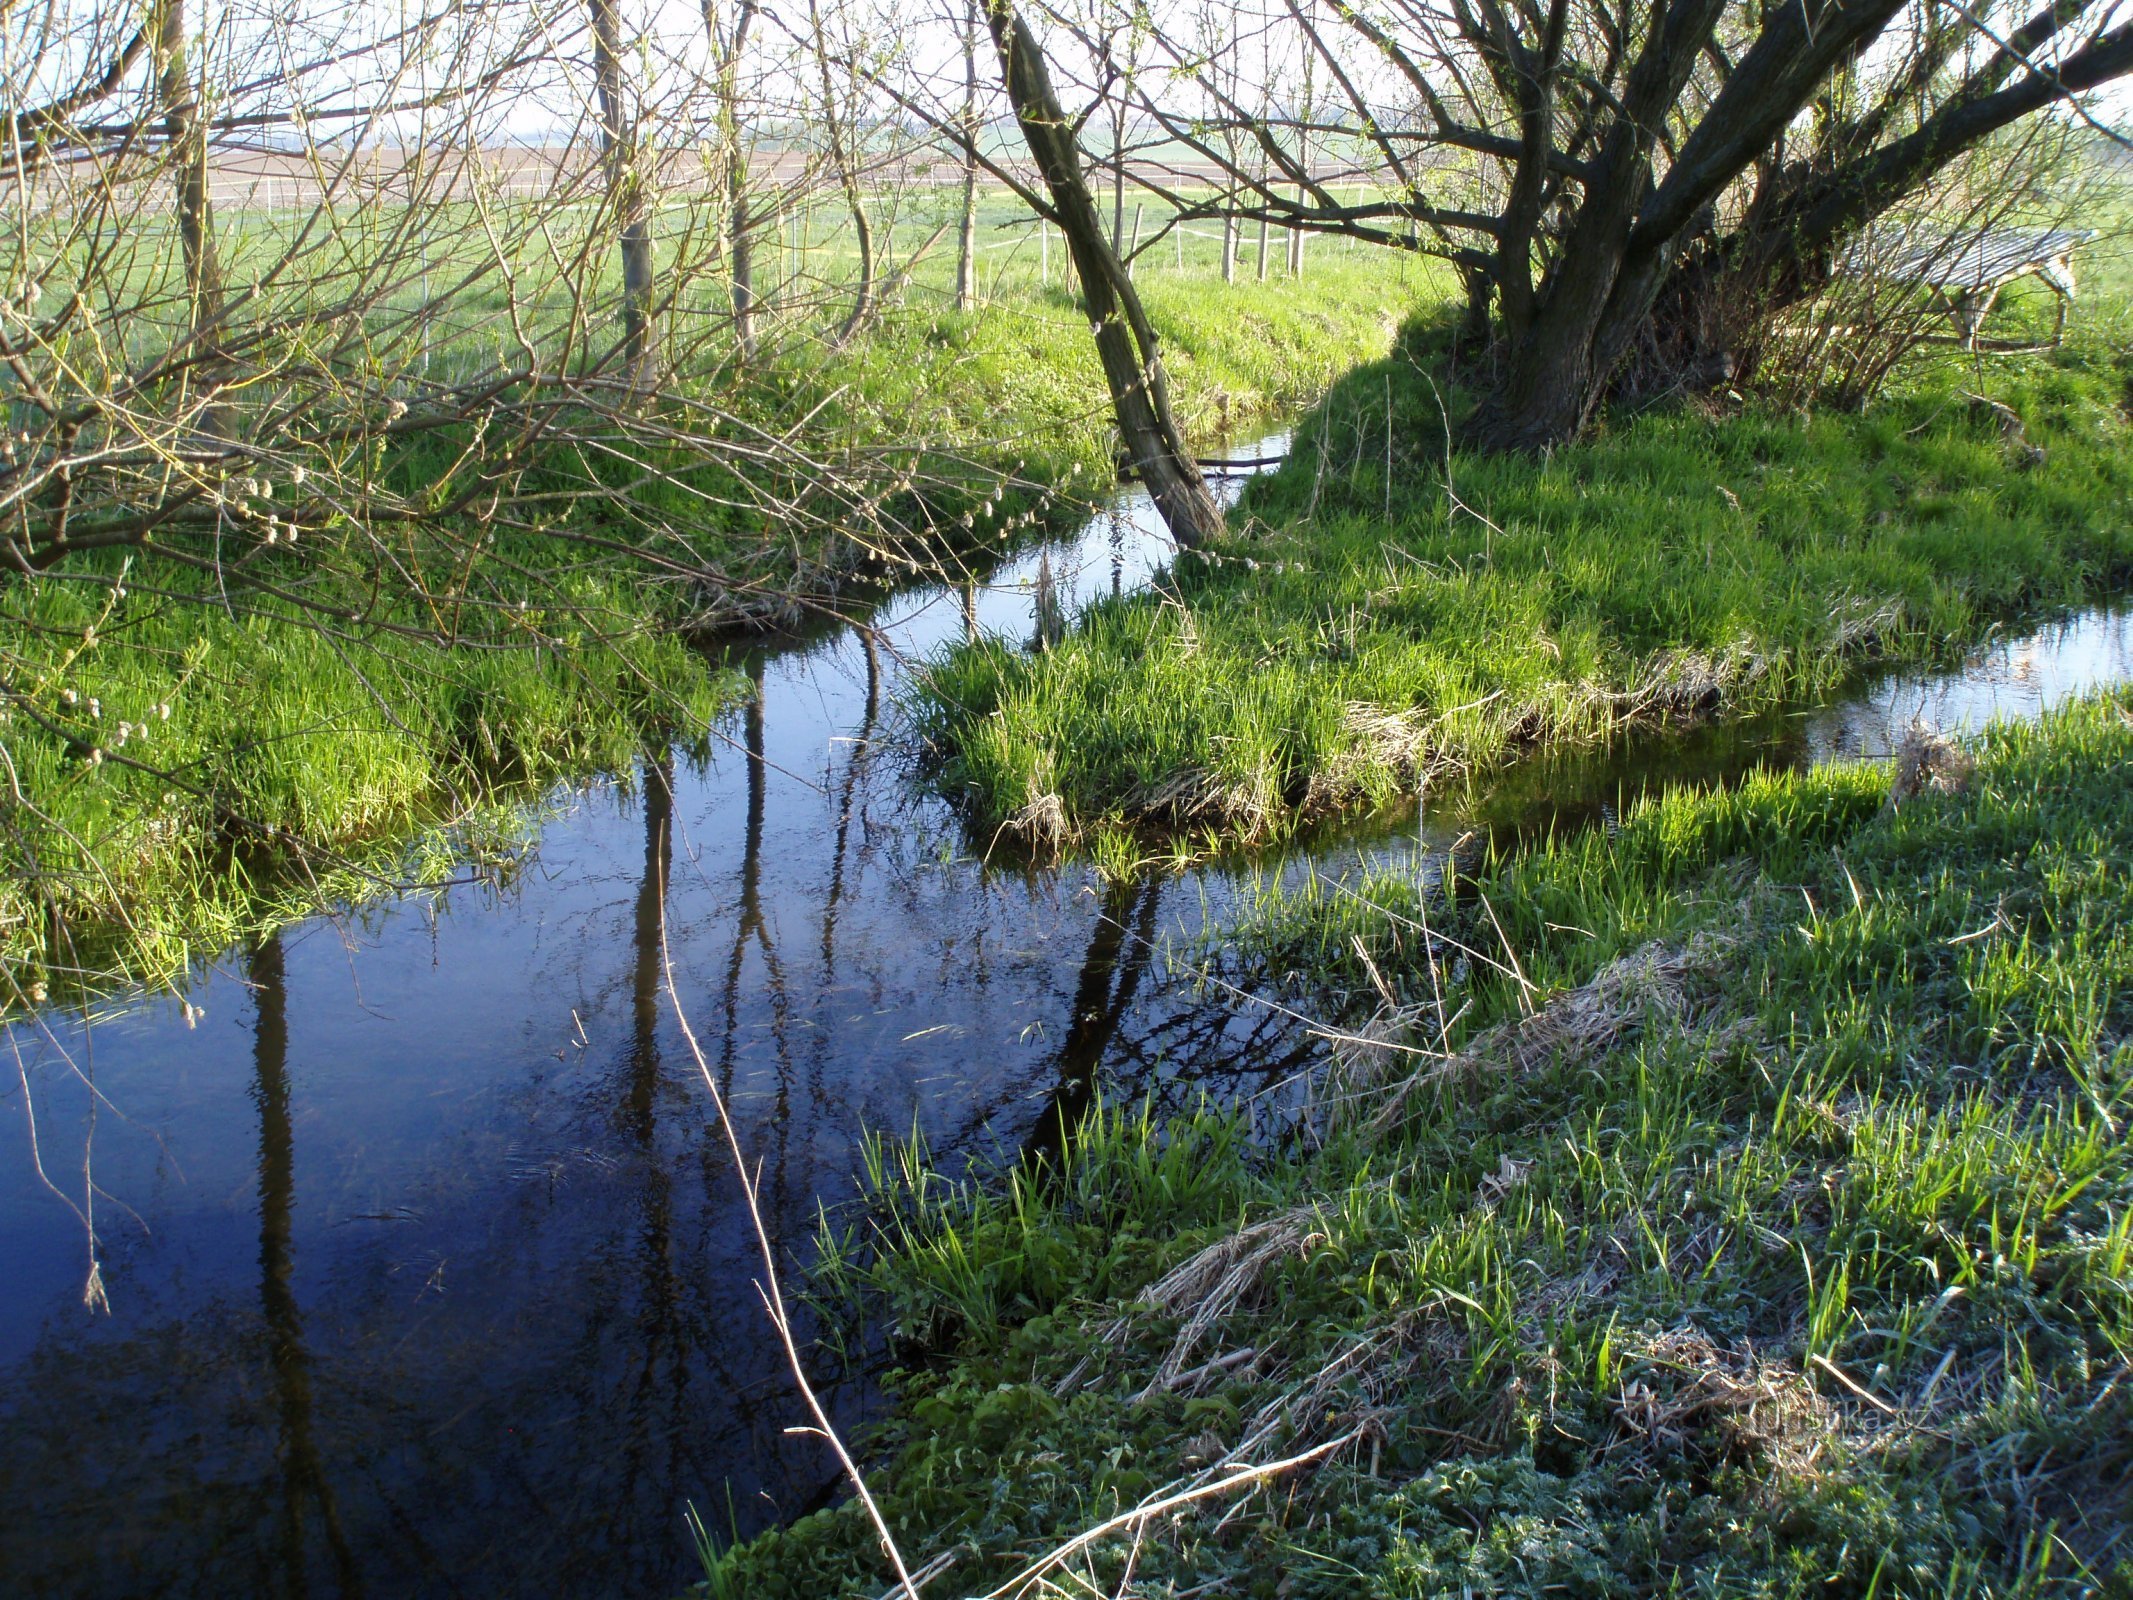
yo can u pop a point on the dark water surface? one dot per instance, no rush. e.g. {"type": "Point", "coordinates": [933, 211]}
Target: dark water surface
{"type": "Point", "coordinates": [426, 1266]}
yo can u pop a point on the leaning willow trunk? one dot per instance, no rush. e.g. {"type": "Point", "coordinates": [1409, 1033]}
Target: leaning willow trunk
{"type": "Point", "coordinates": [1126, 343]}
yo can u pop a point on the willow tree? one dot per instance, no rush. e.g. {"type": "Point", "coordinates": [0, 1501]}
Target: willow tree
{"type": "Point", "coordinates": [1615, 179]}
{"type": "Point", "coordinates": [1126, 342]}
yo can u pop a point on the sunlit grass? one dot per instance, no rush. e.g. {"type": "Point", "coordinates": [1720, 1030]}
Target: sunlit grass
{"type": "Point", "coordinates": [1804, 1267]}
{"type": "Point", "coordinates": [290, 734]}
{"type": "Point", "coordinates": [1360, 632]}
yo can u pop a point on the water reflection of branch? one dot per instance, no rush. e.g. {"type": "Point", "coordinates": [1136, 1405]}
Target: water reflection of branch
{"type": "Point", "coordinates": [92, 1293]}
{"type": "Point", "coordinates": [303, 1473]}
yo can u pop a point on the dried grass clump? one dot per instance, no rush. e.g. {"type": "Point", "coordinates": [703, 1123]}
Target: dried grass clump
{"type": "Point", "coordinates": [1041, 823]}
{"type": "Point", "coordinates": [1683, 1390]}
{"type": "Point", "coordinates": [1574, 1023]}
{"type": "Point", "coordinates": [2019, 448]}
{"type": "Point", "coordinates": [1862, 627]}
{"type": "Point", "coordinates": [1208, 1286]}
{"type": "Point", "coordinates": [1928, 762]}
{"type": "Point", "coordinates": [1402, 743]}
{"type": "Point", "coordinates": [1193, 795]}
{"type": "Point", "coordinates": [1364, 1058]}
{"type": "Point", "coordinates": [1397, 739]}
{"type": "Point", "coordinates": [1689, 683]}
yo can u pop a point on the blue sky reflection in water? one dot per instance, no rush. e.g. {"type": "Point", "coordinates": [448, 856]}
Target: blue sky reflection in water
{"type": "Point", "coordinates": [427, 1270]}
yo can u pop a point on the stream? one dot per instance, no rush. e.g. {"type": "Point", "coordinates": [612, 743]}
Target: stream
{"type": "Point", "coordinates": [427, 1268]}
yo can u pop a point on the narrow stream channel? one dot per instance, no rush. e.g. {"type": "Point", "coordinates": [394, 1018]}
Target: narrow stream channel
{"type": "Point", "coordinates": [426, 1266]}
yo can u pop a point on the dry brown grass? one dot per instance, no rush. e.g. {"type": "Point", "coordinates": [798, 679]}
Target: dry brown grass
{"type": "Point", "coordinates": [1682, 1390]}
{"type": "Point", "coordinates": [1654, 979]}
{"type": "Point", "coordinates": [1929, 763]}
{"type": "Point", "coordinates": [1206, 1287]}
{"type": "Point", "coordinates": [1861, 627]}
{"type": "Point", "coordinates": [1192, 797]}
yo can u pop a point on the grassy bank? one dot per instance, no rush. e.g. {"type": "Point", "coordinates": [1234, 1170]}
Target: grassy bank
{"type": "Point", "coordinates": [1381, 614]}
{"type": "Point", "coordinates": [1749, 1214]}
{"type": "Point", "coordinates": [1004, 412]}
{"type": "Point", "coordinates": [196, 754]}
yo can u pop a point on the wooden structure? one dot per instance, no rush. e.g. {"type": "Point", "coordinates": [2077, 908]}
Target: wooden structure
{"type": "Point", "coordinates": [1967, 269]}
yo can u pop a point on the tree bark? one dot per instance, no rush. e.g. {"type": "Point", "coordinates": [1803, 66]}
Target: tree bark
{"type": "Point", "coordinates": [844, 156]}
{"type": "Point", "coordinates": [966, 252]}
{"type": "Point", "coordinates": [1126, 343]}
{"type": "Point", "coordinates": [206, 301]}
{"type": "Point", "coordinates": [625, 193]}
{"type": "Point", "coordinates": [1613, 264]}
{"type": "Point", "coordinates": [740, 223]}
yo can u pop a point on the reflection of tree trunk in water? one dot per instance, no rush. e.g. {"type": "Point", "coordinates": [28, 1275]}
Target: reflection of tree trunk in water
{"type": "Point", "coordinates": [749, 924]}
{"type": "Point", "coordinates": [1111, 972]}
{"type": "Point", "coordinates": [651, 911]}
{"type": "Point", "coordinates": [659, 1315]}
{"type": "Point", "coordinates": [303, 1476]}
{"type": "Point", "coordinates": [861, 748]}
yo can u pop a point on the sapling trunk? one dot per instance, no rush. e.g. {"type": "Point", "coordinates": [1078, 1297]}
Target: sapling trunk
{"type": "Point", "coordinates": [625, 196]}
{"type": "Point", "coordinates": [966, 254]}
{"type": "Point", "coordinates": [196, 219]}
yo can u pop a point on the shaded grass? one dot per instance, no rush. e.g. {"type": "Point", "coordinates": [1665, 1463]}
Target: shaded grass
{"type": "Point", "coordinates": [1369, 624]}
{"type": "Point", "coordinates": [1803, 1267]}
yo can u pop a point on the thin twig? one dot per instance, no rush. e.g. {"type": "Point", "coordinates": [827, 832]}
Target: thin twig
{"type": "Point", "coordinates": [1140, 1514]}
{"type": "Point", "coordinates": [773, 1299]}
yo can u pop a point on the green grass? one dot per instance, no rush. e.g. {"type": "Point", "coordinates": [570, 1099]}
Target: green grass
{"type": "Point", "coordinates": [282, 766]}
{"type": "Point", "coordinates": [1801, 1264]}
{"type": "Point", "coordinates": [291, 753]}
{"type": "Point", "coordinates": [1360, 631]}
